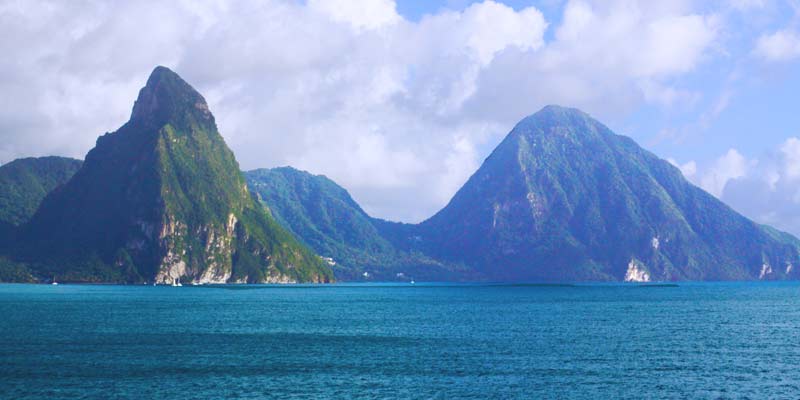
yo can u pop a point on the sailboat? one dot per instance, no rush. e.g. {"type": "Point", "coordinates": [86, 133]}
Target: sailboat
{"type": "Point", "coordinates": [54, 281]}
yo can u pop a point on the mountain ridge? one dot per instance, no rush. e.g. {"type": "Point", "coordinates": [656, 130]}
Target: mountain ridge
{"type": "Point", "coordinates": [325, 217]}
{"type": "Point", "coordinates": [561, 198]}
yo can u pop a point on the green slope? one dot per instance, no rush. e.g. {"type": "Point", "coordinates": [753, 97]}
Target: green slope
{"type": "Point", "coordinates": [325, 217]}
{"type": "Point", "coordinates": [163, 199]}
{"type": "Point", "coordinates": [564, 198]}
{"type": "Point", "coordinates": [25, 182]}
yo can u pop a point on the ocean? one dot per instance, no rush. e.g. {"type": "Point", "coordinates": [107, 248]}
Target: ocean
{"type": "Point", "coordinates": [387, 341]}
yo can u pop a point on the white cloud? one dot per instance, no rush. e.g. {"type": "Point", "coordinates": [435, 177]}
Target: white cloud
{"type": "Point", "coordinates": [398, 112]}
{"type": "Point", "coordinates": [779, 46]}
{"type": "Point", "coordinates": [606, 57]}
{"type": "Point", "coordinates": [765, 189]}
{"type": "Point", "coordinates": [364, 14]}
{"type": "Point", "coordinates": [675, 44]}
{"type": "Point", "coordinates": [730, 166]}
{"type": "Point", "coordinates": [790, 158]}
{"type": "Point", "coordinates": [644, 41]}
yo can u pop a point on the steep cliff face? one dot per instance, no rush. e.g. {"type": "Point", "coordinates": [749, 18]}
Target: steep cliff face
{"type": "Point", "coordinates": [163, 199]}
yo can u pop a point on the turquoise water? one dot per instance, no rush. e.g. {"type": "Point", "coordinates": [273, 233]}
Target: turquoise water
{"type": "Point", "coordinates": [424, 341]}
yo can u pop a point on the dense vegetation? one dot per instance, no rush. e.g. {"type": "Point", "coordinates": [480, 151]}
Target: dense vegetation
{"type": "Point", "coordinates": [25, 182]}
{"type": "Point", "coordinates": [563, 198]}
{"type": "Point", "coordinates": [162, 199]}
{"type": "Point", "coordinates": [325, 217]}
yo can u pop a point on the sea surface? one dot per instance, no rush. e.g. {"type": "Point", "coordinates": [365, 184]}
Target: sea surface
{"type": "Point", "coordinates": [426, 341]}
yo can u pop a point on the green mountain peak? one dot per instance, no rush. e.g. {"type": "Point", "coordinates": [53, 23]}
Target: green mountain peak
{"type": "Point", "coordinates": [564, 198]}
{"type": "Point", "coordinates": [167, 98]}
{"type": "Point", "coordinates": [561, 198]}
{"type": "Point", "coordinates": [163, 199]}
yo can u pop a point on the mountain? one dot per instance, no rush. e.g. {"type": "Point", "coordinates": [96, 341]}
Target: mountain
{"type": "Point", "coordinates": [25, 182]}
{"type": "Point", "coordinates": [324, 216]}
{"type": "Point", "coordinates": [162, 199]}
{"type": "Point", "coordinates": [563, 198]}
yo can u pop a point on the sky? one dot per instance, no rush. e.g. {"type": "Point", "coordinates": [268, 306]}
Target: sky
{"type": "Point", "coordinates": [400, 102]}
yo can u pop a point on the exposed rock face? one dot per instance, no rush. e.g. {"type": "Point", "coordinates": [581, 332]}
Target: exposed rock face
{"type": "Point", "coordinates": [164, 196]}
{"type": "Point", "coordinates": [766, 271]}
{"type": "Point", "coordinates": [636, 272]}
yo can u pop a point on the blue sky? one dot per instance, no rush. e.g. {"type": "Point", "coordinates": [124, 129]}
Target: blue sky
{"type": "Point", "coordinates": [415, 9]}
{"type": "Point", "coordinates": [399, 102]}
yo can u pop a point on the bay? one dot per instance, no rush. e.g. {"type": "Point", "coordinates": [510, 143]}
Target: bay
{"type": "Point", "coordinates": [426, 341]}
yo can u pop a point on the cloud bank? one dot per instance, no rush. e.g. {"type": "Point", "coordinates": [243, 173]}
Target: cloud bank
{"type": "Point", "coordinates": [399, 112]}
{"type": "Point", "coordinates": [765, 188]}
